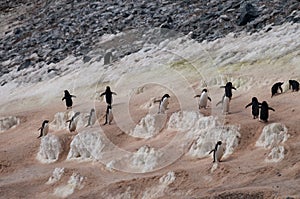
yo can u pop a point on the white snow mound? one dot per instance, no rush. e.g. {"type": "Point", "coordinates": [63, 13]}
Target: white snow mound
{"type": "Point", "coordinates": [56, 175]}
{"type": "Point", "coordinates": [76, 181]}
{"type": "Point", "coordinates": [149, 126]}
{"type": "Point", "coordinates": [205, 132]}
{"type": "Point", "coordinates": [60, 120]}
{"type": "Point", "coordinates": [86, 145]}
{"type": "Point", "coordinates": [273, 136]}
{"type": "Point", "coordinates": [8, 122]}
{"type": "Point", "coordinates": [145, 159]}
{"type": "Point", "coordinates": [50, 149]}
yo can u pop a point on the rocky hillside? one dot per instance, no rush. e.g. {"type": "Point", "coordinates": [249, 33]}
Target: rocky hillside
{"type": "Point", "coordinates": [38, 33]}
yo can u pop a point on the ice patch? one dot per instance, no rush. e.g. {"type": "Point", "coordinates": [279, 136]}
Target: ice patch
{"type": "Point", "coordinates": [87, 145]}
{"type": "Point", "coordinates": [167, 179]}
{"type": "Point", "coordinates": [56, 175]}
{"type": "Point", "coordinates": [50, 149]}
{"type": "Point", "coordinates": [159, 190]}
{"type": "Point", "coordinates": [8, 122]}
{"type": "Point", "coordinates": [76, 181]}
{"type": "Point", "coordinates": [205, 132]}
{"type": "Point", "coordinates": [273, 136]}
{"type": "Point", "coordinates": [146, 158]}
{"type": "Point", "coordinates": [149, 126]}
{"type": "Point", "coordinates": [60, 118]}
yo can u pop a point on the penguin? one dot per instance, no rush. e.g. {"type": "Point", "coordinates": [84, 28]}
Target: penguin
{"type": "Point", "coordinates": [255, 107]}
{"type": "Point", "coordinates": [294, 84]}
{"type": "Point", "coordinates": [44, 128]}
{"type": "Point", "coordinates": [73, 122]}
{"type": "Point", "coordinates": [275, 88]}
{"type": "Point", "coordinates": [203, 99]}
{"type": "Point", "coordinates": [68, 98]}
{"type": "Point", "coordinates": [228, 90]}
{"type": "Point", "coordinates": [264, 111]}
{"type": "Point", "coordinates": [108, 115]}
{"type": "Point", "coordinates": [163, 104]}
{"type": "Point", "coordinates": [92, 118]}
{"type": "Point", "coordinates": [108, 95]}
{"type": "Point", "coordinates": [218, 152]}
{"type": "Point", "coordinates": [225, 105]}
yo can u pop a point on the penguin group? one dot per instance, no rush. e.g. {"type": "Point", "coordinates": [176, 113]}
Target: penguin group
{"type": "Point", "coordinates": [260, 110]}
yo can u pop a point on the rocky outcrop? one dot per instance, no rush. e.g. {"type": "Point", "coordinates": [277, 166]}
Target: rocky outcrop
{"type": "Point", "coordinates": [38, 33]}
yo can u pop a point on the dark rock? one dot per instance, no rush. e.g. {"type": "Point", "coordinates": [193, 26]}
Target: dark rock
{"type": "Point", "coordinates": [86, 59]}
{"type": "Point", "coordinates": [24, 65]}
{"type": "Point", "coordinates": [107, 58]}
{"type": "Point", "coordinates": [248, 13]}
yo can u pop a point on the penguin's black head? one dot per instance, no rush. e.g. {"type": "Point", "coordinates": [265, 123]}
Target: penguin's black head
{"type": "Point", "coordinates": [107, 89]}
{"type": "Point", "coordinates": [204, 90]}
{"type": "Point", "coordinates": [45, 122]}
{"type": "Point", "coordinates": [92, 110]}
{"type": "Point", "coordinates": [254, 99]}
{"type": "Point", "coordinates": [229, 84]}
{"type": "Point", "coordinates": [290, 81]}
{"type": "Point", "coordinates": [264, 103]}
{"type": "Point", "coordinates": [166, 95]}
{"type": "Point", "coordinates": [67, 92]}
{"type": "Point", "coordinates": [219, 143]}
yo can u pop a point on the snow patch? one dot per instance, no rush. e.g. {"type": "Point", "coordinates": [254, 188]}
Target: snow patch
{"type": "Point", "coordinates": [149, 126]}
{"type": "Point", "coordinates": [50, 149]}
{"type": "Point", "coordinates": [60, 120]}
{"type": "Point", "coordinates": [8, 122]}
{"type": "Point", "coordinates": [86, 145]}
{"type": "Point", "coordinates": [205, 132]}
{"type": "Point", "coordinates": [56, 175]}
{"type": "Point", "coordinates": [159, 190]}
{"type": "Point", "coordinates": [146, 158]}
{"type": "Point", "coordinates": [273, 136]}
{"type": "Point", "coordinates": [76, 181]}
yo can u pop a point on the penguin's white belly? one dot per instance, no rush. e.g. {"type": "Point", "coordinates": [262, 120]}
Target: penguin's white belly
{"type": "Point", "coordinates": [45, 130]}
{"type": "Point", "coordinates": [203, 100]}
{"type": "Point", "coordinates": [219, 153]}
{"type": "Point", "coordinates": [72, 126]}
{"type": "Point", "coordinates": [226, 105]}
{"type": "Point", "coordinates": [164, 105]}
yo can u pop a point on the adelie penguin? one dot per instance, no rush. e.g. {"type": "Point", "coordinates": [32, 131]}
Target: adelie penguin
{"type": "Point", "coordinates": [108, 95]}
{"type": "Point", "coordinates": [68, 98]}
{"type": "Point", "coordinates": [163, 104]}
{"type": "Point", "coordinates": [218, 152]}
{"type": "Point", "coordinates": [108, 115]}
{"type": "Point", "coordinates": [44, 128]}
{"type": "Point", "coordinates": [255, 107]}
{"type": "Point", "coordinates": [228, 92]}
{"type": "Point", "coordinates": [264, 111]}
{"type": "Point", "coordinates": [294, 85]}
{"type": "Point", "coordinates": [203, 99]}
{"type": "Point", "coordinates": [73, 122]}
{"type": "Point", "coordinates": [92, 118]}
{"type": "Point", "coordinates": [275, 88]}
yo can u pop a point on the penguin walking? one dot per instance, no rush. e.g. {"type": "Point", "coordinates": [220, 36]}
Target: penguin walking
{"type": "Point", "coordinates": [203, 99]}
{"type": "Point", "coordinates": [294, 84]}
{"type": "Point", "coordinates": [218, 152]}
{"type": "Point", "coordinates": [44, 128]}
{"type": "Point", "coordinates": [68, 98]}
{"type": "Point", "coordinates": [92, 118]}
{"type": "Point", "coordinates": [255, 107]}
{"type": "Point", "coordinates": [276, 87]}
{"type": "Point", "coordinates": [163, 104]}
{"type": "Point", "coordinates": [228, 92]}
{"type": "Point", "coordinates": [108, 115]}
{"type": "Point", "coordinates": [264, 111]}
{"type": "Point", "coordinates": [73, 122]}
{"type": "Point", "coordinates": [108, 95]}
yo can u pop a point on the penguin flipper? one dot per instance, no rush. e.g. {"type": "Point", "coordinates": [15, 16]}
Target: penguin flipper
{"type": "Point", "coordinates": [211, 151]}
